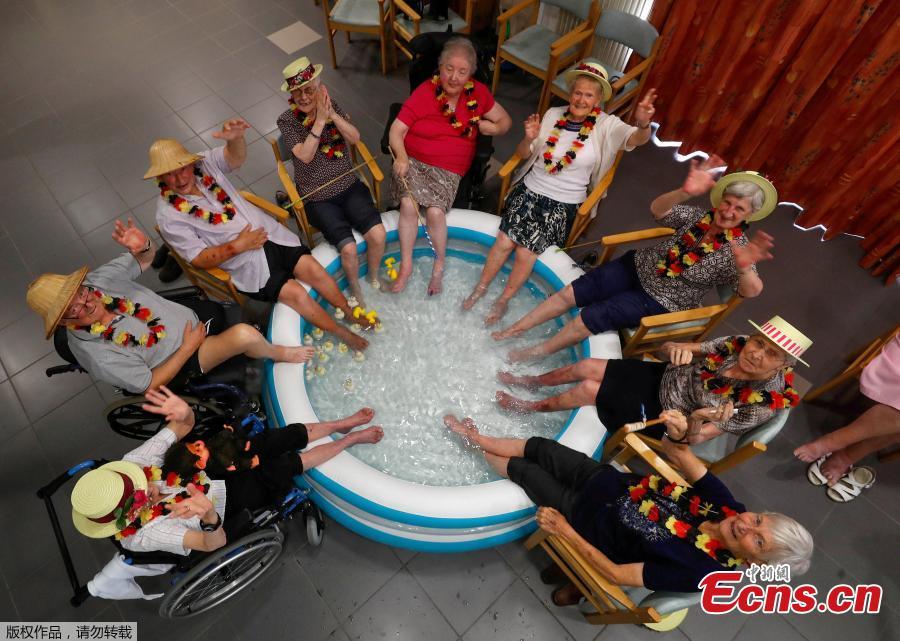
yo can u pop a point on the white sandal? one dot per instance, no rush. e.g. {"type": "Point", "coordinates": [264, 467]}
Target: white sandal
{"type": "Point", "coordinates": [852, 484]}
{"type": "Point", "coordinates": [814, 473]}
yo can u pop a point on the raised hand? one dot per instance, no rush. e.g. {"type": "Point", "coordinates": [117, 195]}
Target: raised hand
{"type": "Point", "coordinates": [197, 504]}
{"type": "Point", "coordinates": [700, 177]}
{"type": "Point", "coordinates": [166, 403]}
{"type": "Point", "coordinates": [130, 237]}
{"type": "Point", "coordinates": [323, 104]}
{"type": "Point", "coordinates": [643, 113]}
{"type": "Point", "coordinates": [232, 129]}
{"type": "Point", "coordinates": [759, 248]}
{"type": "Point", "coordinates": [532, 126]}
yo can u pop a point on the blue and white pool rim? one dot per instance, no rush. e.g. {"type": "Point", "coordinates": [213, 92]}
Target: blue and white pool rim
{"type": "Point", "coordinates": [410, 515]}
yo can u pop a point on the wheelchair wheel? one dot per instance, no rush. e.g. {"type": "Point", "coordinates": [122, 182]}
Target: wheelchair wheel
{"type": "Point", "coordinates": [315, 525]}
{"type": "Point", "coordinates": [126, 417]}
{"type": "Point", "coordinates": [223, 574]}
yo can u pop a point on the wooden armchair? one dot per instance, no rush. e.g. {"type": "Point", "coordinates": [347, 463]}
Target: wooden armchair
{"type": "Point", "coordinates": [660, 611]}
{"type": "Point", "coordinates": [532, 48]}
{"type": "Point", "coordinates": [217, 282]}
{"type": "Point", "coordinates": [359, 150]}
{"type": "Point", "coordinates": [359, 16]}
{"type": "Point", "coordinates": [407, 23]}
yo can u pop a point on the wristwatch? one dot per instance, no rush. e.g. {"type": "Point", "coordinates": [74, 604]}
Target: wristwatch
{"type": "Point", "coordinates": [211, 527]}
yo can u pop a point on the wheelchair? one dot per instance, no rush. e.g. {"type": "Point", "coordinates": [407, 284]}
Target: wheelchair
{"type": "Point", "coordinates": [216, 394]}
{"type": "Point", "coordinates": [201, 581]}
{"type": "Point", "coordinates": [426, 49]}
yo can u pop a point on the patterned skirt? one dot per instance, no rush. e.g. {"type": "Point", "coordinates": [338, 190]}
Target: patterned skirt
{"type": "Point", "coordinates": [430, 186]}
{"type": "Point", "coordinates": [535, 222]}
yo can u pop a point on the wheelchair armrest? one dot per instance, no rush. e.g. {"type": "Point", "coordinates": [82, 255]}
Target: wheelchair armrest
{"type": "Point", "coordinates": [393, 111]}
{"type": "Point", "coordinates": [180, 294]}
{"type": "Point", "coordinates": [64, 369]}
{"type": "Point", "coordinates": [50, 489]}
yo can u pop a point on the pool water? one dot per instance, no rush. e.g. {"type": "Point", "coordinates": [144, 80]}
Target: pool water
{"type": "Point", "coordinates": [432, 359]}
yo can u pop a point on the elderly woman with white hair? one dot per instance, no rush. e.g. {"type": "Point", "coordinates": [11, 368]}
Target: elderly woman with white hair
{"type": "Point", "coordinates": [709, 248]}
{"type": "Point", "coordinates": [567, 152]}
{"type": "Point", "coordinates": [433, 140]}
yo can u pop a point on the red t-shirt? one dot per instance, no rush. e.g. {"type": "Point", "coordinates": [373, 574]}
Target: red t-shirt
{"type": "Point", "coordinates": [430, 138]}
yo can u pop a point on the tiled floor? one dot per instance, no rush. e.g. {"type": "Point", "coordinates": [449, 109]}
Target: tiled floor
{"type": "Point", "coordinates": [86, 86]}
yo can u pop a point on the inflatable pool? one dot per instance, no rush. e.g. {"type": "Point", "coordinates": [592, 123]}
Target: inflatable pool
{"type": "Point", "coordinates": [413, 515]}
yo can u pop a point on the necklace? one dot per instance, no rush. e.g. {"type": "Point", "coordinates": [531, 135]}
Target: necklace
{"type": "Point", "coordinates": [137, 512]}
{"type": "Point", "coordinates": [684, 252]}
{"type": "Point", "coordinates": [450, 114]}
{"type": "Point", "coordinates": [744, 395]}
{"type": "Point", "coordinates": [332, 143]}
{"type": "Point", "coordinates": [182, 205]}
{"type": "Point", "coordinates": [648, 488]}
{"type": "Point", "coordinates": [125, 306]}
{"type": "Point", "coordinates": [569, 157]}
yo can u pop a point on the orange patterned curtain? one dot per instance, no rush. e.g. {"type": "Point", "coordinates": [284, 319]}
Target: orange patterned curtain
{"type": "Point", "coordinates": [804, 91]}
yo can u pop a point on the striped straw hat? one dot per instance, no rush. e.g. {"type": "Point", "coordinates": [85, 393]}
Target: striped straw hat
{"type": "Point", "coordinates": [785, 336]}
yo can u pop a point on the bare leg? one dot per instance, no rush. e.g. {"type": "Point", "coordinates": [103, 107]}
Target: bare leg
{"type": "Point", "coordinates": [375, 240]}
{"type": "Point", "coordinates": [585, 393]}
{"type": "Point", "coordinates": [840, 461]}
{"type": "Point", "coordinates": [573, 333]}
{"type": "Point", "coordinates": [244, 339]}
{"type": "Point", "coordinates": [407, 228]}
{"type": "Point", "coordinates": [342, 425]}
{"type": "Point", "coordinates": [505, 447]}
{"type": "Point", "coordinates": [295, 296]}
{"type": "Point", "coordinates": [437, 229]}
{"type": "Point", "coordinates": [557, 304]}
{"type": "Point", "coordinates": [591, 369]}
{"type": "Point", "coordinates": [311, 272]}
{"type": "Point", "coordinates": [879, 420]}
{"type": "Point", "coordinates": [321, 453]}
{"type": "Point", "coordinates": [350, 265]}
{"type": "Point", "coordinates": [521, 270]}
{"type": "Point", "coordinates": [500, 251]}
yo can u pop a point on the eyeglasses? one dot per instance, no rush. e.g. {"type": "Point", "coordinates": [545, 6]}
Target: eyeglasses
{"type": "Point", "coordinates": [461, 72]}
{"type": "Point", "coordinates": [76, 307]}
{"type": "Point", "coordinates": [307, 91]}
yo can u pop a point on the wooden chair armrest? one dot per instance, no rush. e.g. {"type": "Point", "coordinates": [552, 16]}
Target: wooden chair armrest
{"type": "Point", "coordinates": [595, 580]}
{"type": "Point", "coordinates": [564, 43]}
{"type": "Point", "coordinates": [599, 189]}
{"type": "Point", "coordinates": [699, 313]}
{"type": "Point", "coordinates": [738, 456]}
{"type": "Point", "coordinates": [631, 75]}
{"type": "Point", "coordinates": [290, 188]}
{"type": "Point", "coordinates": [270, 208]}
{"type": "Point", "coordinates": [219, 274]}
{"type": "Point", "coordinates": [637, 236]}
{"type": "Point", "coordinates": [377, 174]}
{"type": "Point", "coordinates": [408, 10]}
{"type": "Point", "coordinates": [654, 460]}
{"type": "Point", "coordinates": [509, 166]}
{"type": "Point", "coordinates": [509, 13]}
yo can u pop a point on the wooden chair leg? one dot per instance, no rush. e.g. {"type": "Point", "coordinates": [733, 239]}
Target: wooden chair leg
{"type": "Point", "coordinates": [384, 54]}
{"type": "Point", "coordinates": [498, 61]}
{"type": "Point", "coordinates": [330, 31]}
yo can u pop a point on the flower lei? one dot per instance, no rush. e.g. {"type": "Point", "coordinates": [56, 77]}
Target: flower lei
{"type": "Point", "coordinates": [744, 395]}
{"type": "Point", "coordinates": [137, 512]}
{"type": "Point", "coordinates": [124, 306]}
{"type": "Point", "coordinates": [684, 252]}
{"type": "Point", "coordinates": [568, 158]}
{"type": "Point", "coordinates": [182, 205]}
{"type": "Point", "coordinates": [471, 105]}
{"type": "Point", "coordinates": [332, 145]}
{"type": "Point", "coordinates": [650, 485]}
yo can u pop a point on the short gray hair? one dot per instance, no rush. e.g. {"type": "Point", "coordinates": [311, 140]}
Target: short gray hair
{"type": "Point", "coordinates": [571, 84]}
{"type": "Point", "coordinates": [791, 543]}
{"type": "Point", "coordinates": [463, 47]}
{"type": "Point", "coordinates": [747, 189]}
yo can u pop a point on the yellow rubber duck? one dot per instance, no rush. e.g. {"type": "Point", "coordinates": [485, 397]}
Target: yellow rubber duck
{"type": "Point", "coordinates": [320, 370]}
{"type": "Point", "coordinates": [339, 314]}
{"type": "Point", "coordinates": [392, 274]}
{"type": "Point", "coordinates": [342, 348]}
{"type": "Point", "coordinates": [372, 316]}
{"type": "Point", "coordinates": [348, 384]}
{"type": "Point", "coordinates": [328, 346]}
{"type": "Point", "coordinates": [359, 357]}
{"type": "Point", "coordinates": [307, 339]}
{"type": "Point", "coordinates": [389, 261]}
{"type": "Point", "coordinates": [323, 357]}
{"type": "Point", "coordinates": [317, 333]}
{"type": "Point", "coordinates": [358, 311]}
{"type": "Point", "coordinates": [379, 327]}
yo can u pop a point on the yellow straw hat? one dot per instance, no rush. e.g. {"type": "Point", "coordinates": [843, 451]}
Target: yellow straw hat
{"type": "Point", "coordinates": [299, 73]}
{"type": "Point", "coordinates": [51, 294]}
{"type": "Point", "coordinates": [785, 336]}
{"type": "Point", "coordinates": [591, 70]}
{"type": "Point", "coordinates": [770, 194]}
{"type": "Point", "coordinates": [167, 154]}
{"type": "Point", "coordinates": [100, 492]}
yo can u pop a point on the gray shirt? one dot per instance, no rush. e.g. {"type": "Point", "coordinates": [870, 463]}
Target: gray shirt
{"type": "Point", "coordinates": [190, 235]}
{"type": "Point", "coordinates": [127, 366]}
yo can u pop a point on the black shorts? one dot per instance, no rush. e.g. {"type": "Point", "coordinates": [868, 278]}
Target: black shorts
{"type": "Point", "coordinates": [628, 384]}
{"type": "Point", "coordinates": [337, 217]}
{"type": "Point", "coordinates": [281, 261]}
{"type": "Point", "coordinates": [206, 311]}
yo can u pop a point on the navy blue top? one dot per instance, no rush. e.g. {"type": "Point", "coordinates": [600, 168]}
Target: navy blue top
{"type": "Point", "coordinates": [607, 518]}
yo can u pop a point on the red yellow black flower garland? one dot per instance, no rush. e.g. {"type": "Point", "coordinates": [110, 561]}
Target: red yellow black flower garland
{"type": "Point", "coordinates": [649, 486]}
{"type": "Point", "coordinates": [137, 511]}
{"type": "Point", "coordinates": [332, 143]}
{"type": "Point", "coordinates": [182, 205]}
{"type": "Point", "coordinates": [744, 395]}
{"type": "Point", "coordinates": [124, 306]}
{"type": "Point", "coordinates": [471, 106]}
{"type": "Point", "coordinates": [684, 252]}
{"type": "Point", "coordinates": [568, 158]}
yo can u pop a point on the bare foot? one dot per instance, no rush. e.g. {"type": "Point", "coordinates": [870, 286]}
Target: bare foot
{"type": "Point", "coordinates": [473, 298]}
{"type": "Point", "coordinates": [363, 416]}
{"type": "Point", "coordinates": [369, 435]}
{"type": "Point", "coordinates": [498, 311]}
{"type": "Point", "coordinates": [835, 466]}
{"type": "Point", "coordinates": [296, 354]}
{"type": "Point", "coordinates": [436, 285]}
{"type": "Point", "coordinates": [812, 451]}
{"type": "Point", "coordinates": [509, 332]}
{"type": "Point", "coordinates": [524, 354]}
{"type": "Point", "coordinates": [356, 292]}
{"type": "Point", "coordinates": [465, 428]}
{"type": "Point", "coordinates": [513, 404]}
{"type": "Point", "coordinates": [354, 341]}
{"type": "Point", "coordinates": [403, 278]}
{"type": "Point", "coordinates": [508, 378]}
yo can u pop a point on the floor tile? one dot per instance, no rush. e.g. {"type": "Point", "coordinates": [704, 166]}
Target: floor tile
{"type": "Point", "coordinates": [186, 91]}
{"type": "Point", "coordinates": [12, 414]}
{"type": "Point", "coordinates": [237, 37]}
{"type": "Point", "coordinates": [69, 184]}
{"type": "Point", "coordinates": [206, 113]}
{"type": "Point", "coordinates": [22, 343]}
{"type": "Point", "coordinates": [263, 54]}
{"type": "Point", "coordinates": [770, 626]}
{"type": "Point", "coordinates": [41, 396]}
{"type": "Point", "coordinates": [517, 614]}
{"type": "Point", "coordinates": [294, 37]}
{"type": "Point", "coordinates": [244, 92]}
{"type": "Point", "coordinates": [724, 627]}
{"type": "Point", "coordinates": [259, 162]}
{"type": "Point", "coordinates": [95, 208]}
{"type": "Point", "coordinates": [264, 115]}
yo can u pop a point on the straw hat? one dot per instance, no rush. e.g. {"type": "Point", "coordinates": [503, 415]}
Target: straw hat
{"type": "Point", "coordinates": [785, 336]}
{"type": "Point", "coordinates": [51, 294]}
{"type": "Point", "coordinates": [100, 492]}
{"type": "Point", "coordinates": [167, 154]}
{"type": "Point", "coordinates": [769, 192]}
{"type": "Point", "coordinates": [299, 73]}
{"type": "Point", "coordinates": [591, 70]}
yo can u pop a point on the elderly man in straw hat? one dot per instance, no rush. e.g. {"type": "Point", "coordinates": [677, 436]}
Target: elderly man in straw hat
{"type": "Point", "coordinates": [710, 247]}
{"type": "Point", "coordinates": [319, 134]}
{"type": "Point", "coordinates": [129, 336]}
{"type": "Point", "coordinates": [731, 384]}
{"type": "Point", "coordinates": [206, 220]}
